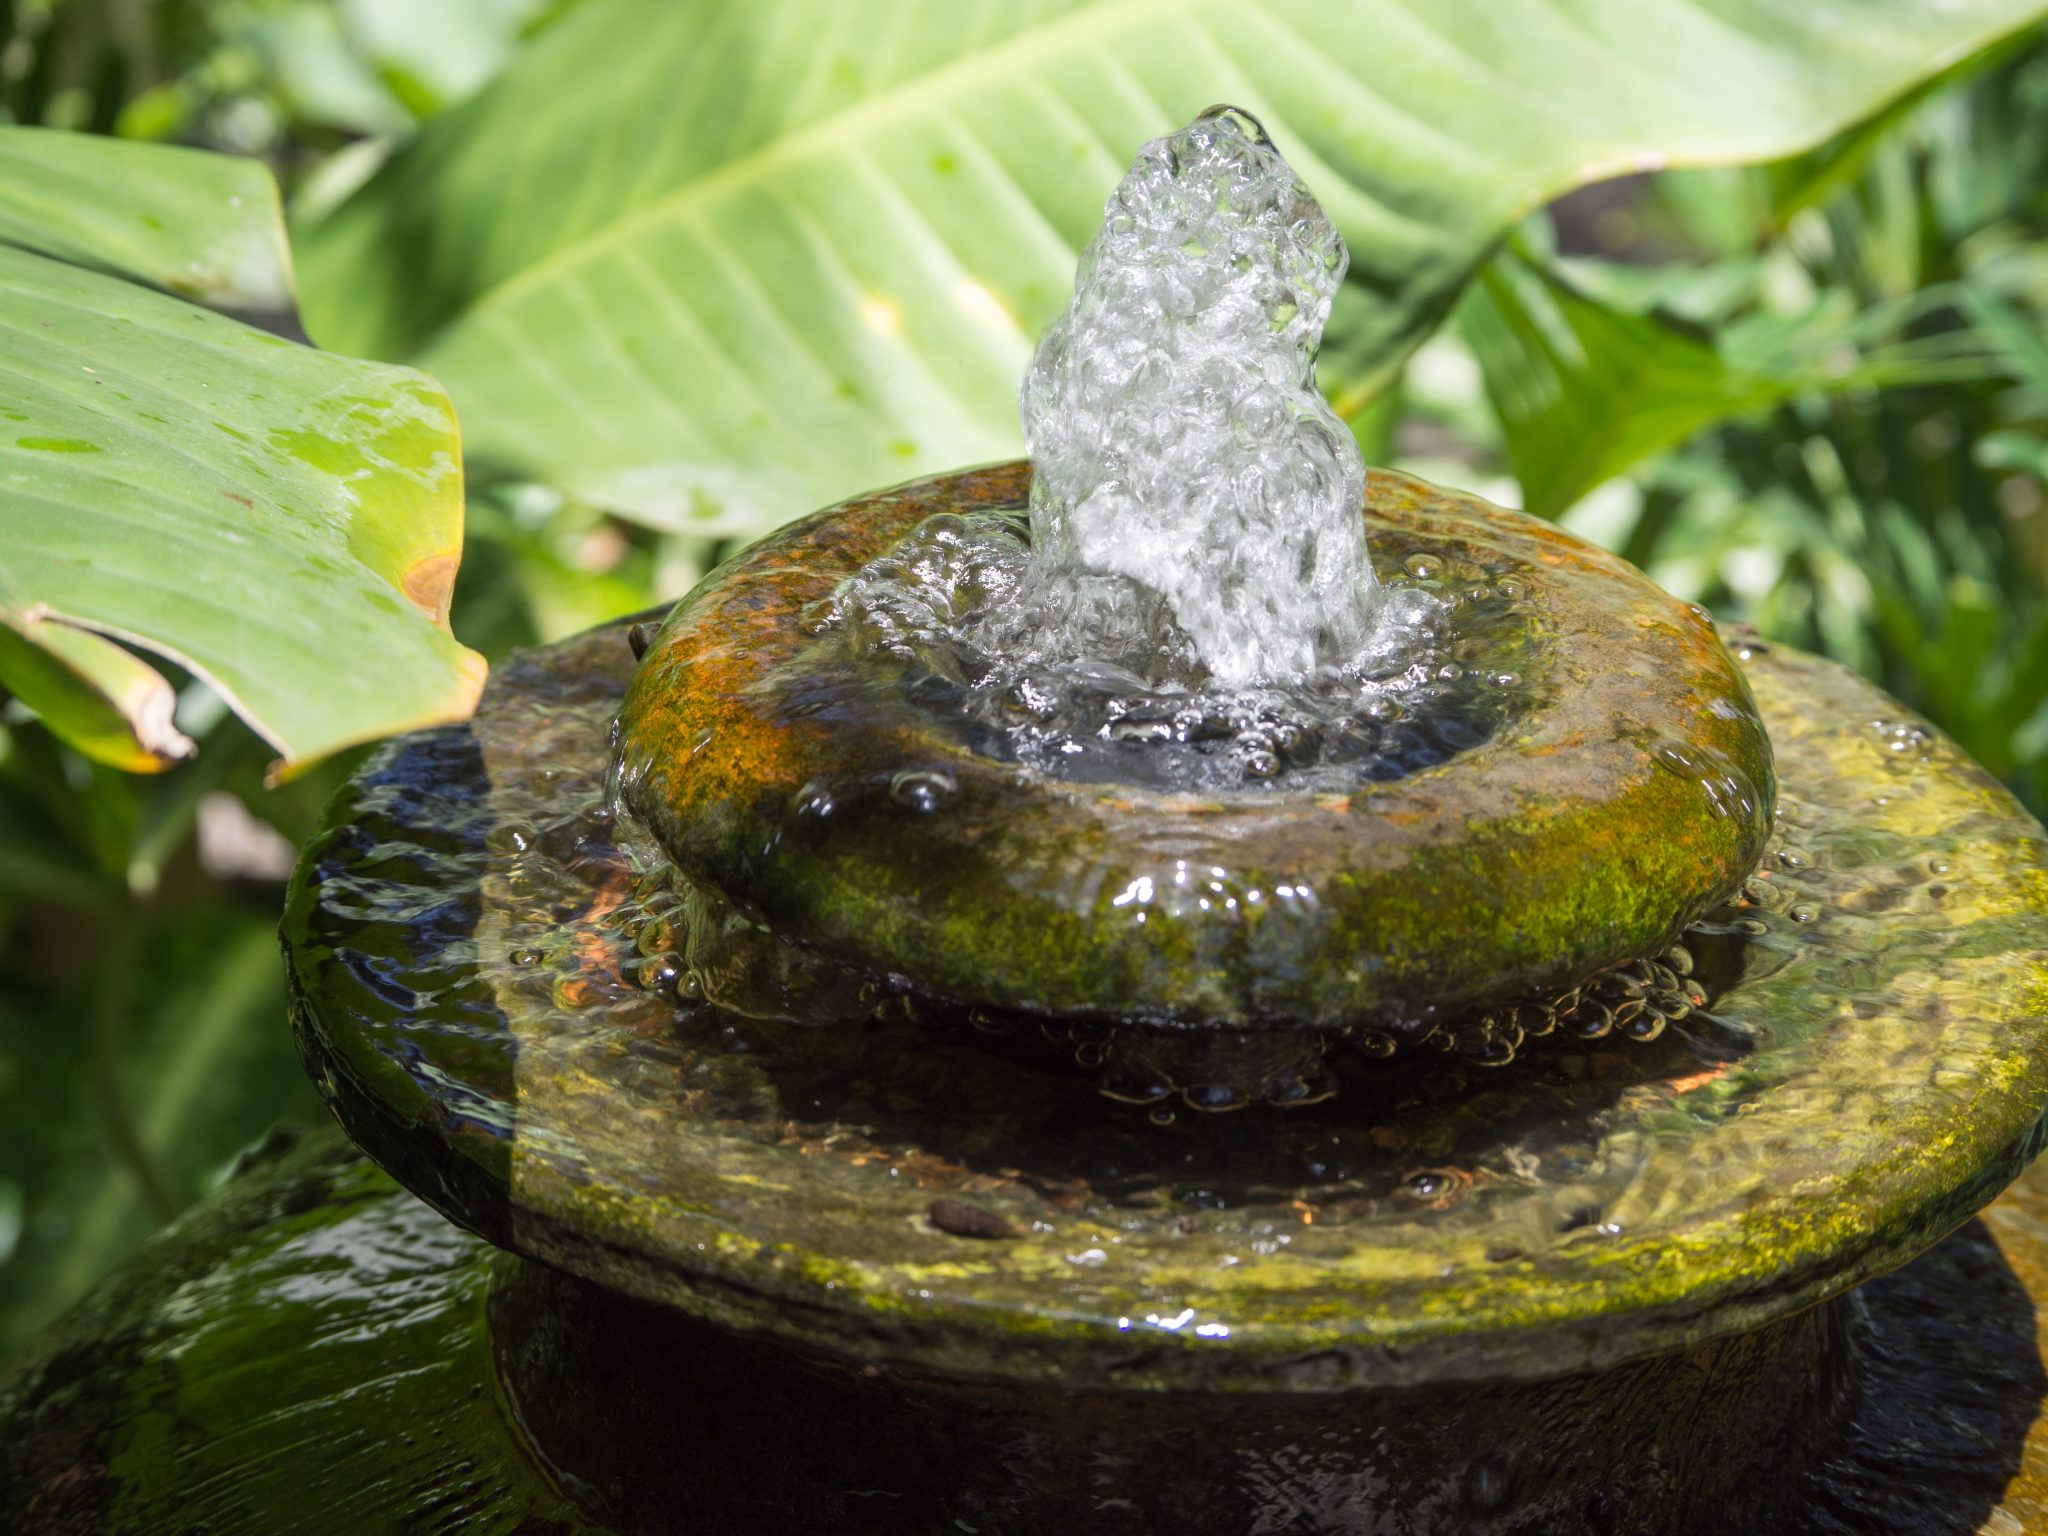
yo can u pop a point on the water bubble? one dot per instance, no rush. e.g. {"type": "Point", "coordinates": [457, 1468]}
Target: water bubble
{"type": "Point", "coordinates": [1423, 567]}
{"type": "Point", "coordinates": [659, 973]}
{"type": "Point", "coordinates": [1489, 1051]}
{"type": "Point", "coordinates": [1385, 710]}
{"type": "Point", "coordinates": [1261, 763]}
{"type": "Point", "coordinates": [1214, 1098]}
{"type": "Point", "coordinates": [923, 789]}
{"type": "Point", "coordinates": [1432, 1187]}
{"type": "Point", "coordinates": [813, 802]}
{"type": "Point", "coordinates": [527, 957]}
{"type": "Point", "coordinates": [1592, 1020]}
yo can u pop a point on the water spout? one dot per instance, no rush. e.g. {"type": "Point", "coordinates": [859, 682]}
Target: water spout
{"type": "Point", "coordinates": [1175, 427]}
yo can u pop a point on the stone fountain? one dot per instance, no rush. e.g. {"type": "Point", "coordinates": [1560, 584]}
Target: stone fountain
{"type": "Point", "coordinates": [1129, 999]}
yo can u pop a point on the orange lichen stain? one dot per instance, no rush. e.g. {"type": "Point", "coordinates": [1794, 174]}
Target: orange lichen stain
{"type": "Point", "coordinates": [1697, 1079]}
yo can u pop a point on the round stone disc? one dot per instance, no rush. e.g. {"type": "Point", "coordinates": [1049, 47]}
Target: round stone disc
{"type": "Point", "coordinates": [851, 802]}
{"type": "Point", "coordinates": [1872, 1066]}
{"type": "Point", "coordinates": [312, 1351]}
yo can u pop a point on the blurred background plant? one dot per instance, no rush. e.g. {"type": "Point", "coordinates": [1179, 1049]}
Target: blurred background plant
{"type": "Point", "coordinates": [1811, 395]}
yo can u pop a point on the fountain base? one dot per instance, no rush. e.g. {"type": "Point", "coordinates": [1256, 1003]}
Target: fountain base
{"type": "Point", "coordinates": [316, 1351]}
{"type": "Point", "coordinates": [635, 1405]}
{"type": "Point", "coordinates": [482, 997]}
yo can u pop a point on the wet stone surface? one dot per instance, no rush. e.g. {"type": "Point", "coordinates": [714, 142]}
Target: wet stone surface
{"type": "Point", "coordinates": [503, 1015]}
{"type": "Point", "coordinates": [452, 1388]}
{"type": "Point", "coordinates": [1552, 768]}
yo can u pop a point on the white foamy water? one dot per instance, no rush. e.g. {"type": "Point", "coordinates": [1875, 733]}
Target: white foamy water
{"type": "Point", "coordinates": [1176, 430]}
{"type": "Point", "coordinates": [1190, 605]}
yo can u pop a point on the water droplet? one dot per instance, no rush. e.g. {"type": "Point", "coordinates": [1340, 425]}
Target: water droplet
{"type": "Point", "coordinates": [527, 957]}
{"type": "Point", "coordinates": [1423, 567]}
{"type": "Point", "coordinates": [659, 973]}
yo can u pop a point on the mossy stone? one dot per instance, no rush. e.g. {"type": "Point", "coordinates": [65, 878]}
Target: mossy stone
{"type": "Point", "coordinates": [476, 991]}
{"type": "Point", "coordinates": [1631, 795]}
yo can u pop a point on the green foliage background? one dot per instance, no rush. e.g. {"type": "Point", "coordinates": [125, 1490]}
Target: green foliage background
{"type": "Point", "coordinates": [1812, 395]}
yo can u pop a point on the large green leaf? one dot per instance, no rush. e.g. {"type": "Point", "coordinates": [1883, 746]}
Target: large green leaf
{"type": "Point", "coordinates": [280, 521]}
{"type": "Point", "coordinates": [709, 262]}
{"type": "Point", "coordinates": [105, 700]}
{"type": "Point", "coordinates": [204, 226]}
{"type": "Point", "coordinates": [1584, 389]}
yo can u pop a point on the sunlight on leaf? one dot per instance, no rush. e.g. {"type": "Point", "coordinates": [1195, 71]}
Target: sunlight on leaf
{"type": "Point", "coordinates": [104, 700]}
{"type": "Point", "coordinates": [282, 522]}
{"type": "Point", "coordinates": [711, 266]}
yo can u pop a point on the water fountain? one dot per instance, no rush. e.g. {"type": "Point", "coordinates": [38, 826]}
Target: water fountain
{"type": "Point", "coordinates": [1109, 1001]}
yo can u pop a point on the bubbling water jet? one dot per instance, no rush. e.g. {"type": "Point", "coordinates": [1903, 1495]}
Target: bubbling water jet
{"type": "Point", "coordinates": [1189, 602]}
{"type": "Point", "coordinates": [1184, 456]}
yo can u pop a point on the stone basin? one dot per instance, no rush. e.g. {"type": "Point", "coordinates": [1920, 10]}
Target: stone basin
{"type": "Point", "coordinates": [887, 1272]}
{"type": "Point", "coordinates": [1596, 780]}
{"type": "Point", "coordinates": [1873, 1069]}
